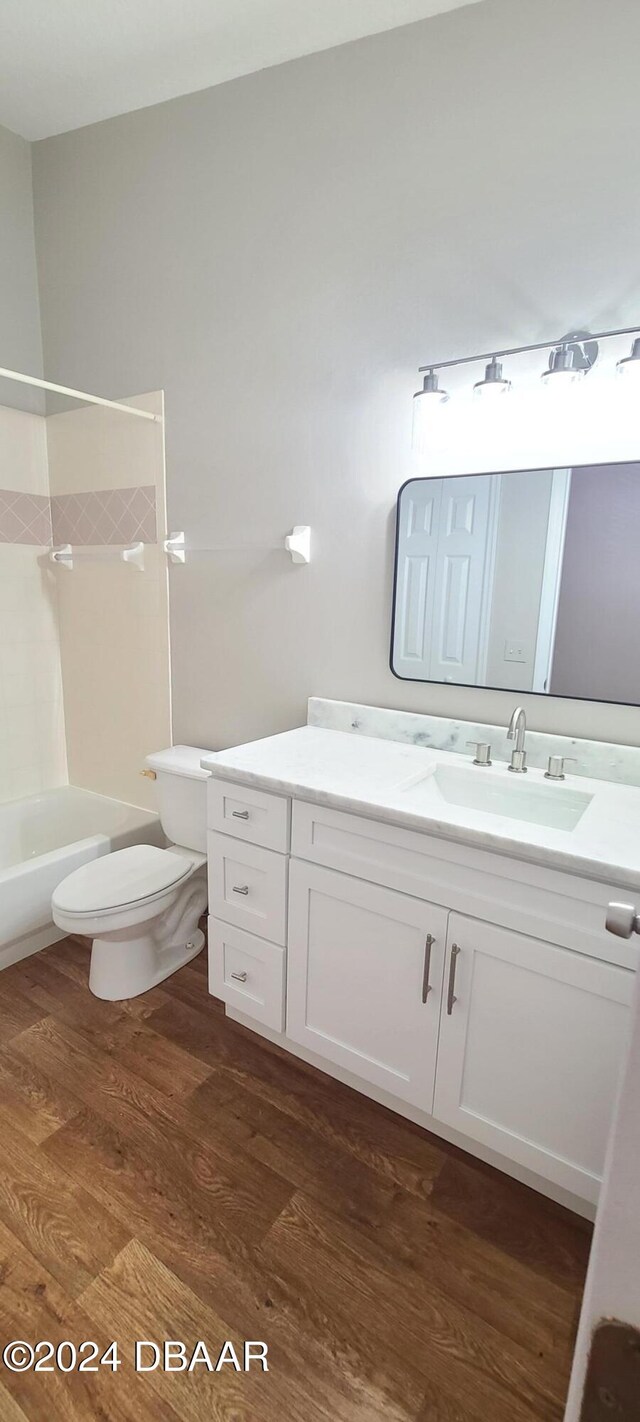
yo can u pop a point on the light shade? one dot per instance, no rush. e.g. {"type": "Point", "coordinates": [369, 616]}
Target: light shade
{"type": "Point", "coordinates": [494, 382]}
{"type": "Point", "coordinates": [425, 401]}
{"type": "Point", "coordinates": [630, 365]}
{"type": "Point", "coordinates": [561, 367]}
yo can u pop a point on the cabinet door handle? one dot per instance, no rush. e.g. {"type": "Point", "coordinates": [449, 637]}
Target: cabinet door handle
{"type": "Point", "coordinates": [426, 987]}
{"type": "Point", "coordinates": [240, 814]}
{"type": "Point", "coordinates": [451, 997]}
{"type": "Point", "coordinates": [241, 889]}
{"type": "Point", "coordinates": [240, 977]}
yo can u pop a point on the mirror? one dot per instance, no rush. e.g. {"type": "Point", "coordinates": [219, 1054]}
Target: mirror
{"type": "Point", "coordinates": [526, 581]}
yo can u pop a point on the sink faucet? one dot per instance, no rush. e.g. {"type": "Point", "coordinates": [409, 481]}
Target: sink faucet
{"type": "Point", "coordinates": [517, 732]}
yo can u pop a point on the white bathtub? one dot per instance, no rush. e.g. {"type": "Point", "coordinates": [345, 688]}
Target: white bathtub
{"type": "Point", "coordinates": [42, 839]}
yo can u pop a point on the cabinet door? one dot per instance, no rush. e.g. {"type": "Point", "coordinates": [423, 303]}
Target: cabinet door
{"type": "Point", "coordinates": [531, 1045]}
{"type": "Point", "coordinates": [364, 979]}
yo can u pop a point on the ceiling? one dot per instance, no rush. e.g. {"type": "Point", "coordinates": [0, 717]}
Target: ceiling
{"type": "Point", "coordinates": [66, 63]}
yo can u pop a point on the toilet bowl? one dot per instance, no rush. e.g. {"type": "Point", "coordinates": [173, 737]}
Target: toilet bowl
{"type": "Point", "coordinates": [141, 906]}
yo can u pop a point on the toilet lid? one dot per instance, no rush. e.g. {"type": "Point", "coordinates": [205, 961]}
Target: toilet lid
{"type": "Point", "coordinates": [124, 877]}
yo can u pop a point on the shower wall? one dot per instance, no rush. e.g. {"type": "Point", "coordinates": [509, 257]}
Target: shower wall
{"type": "Point", "coordinates": [107, 482]}
{"type": "Point", "coordinates": [32, 730]}
{"type": "Point", "coordinates": [84, 651]}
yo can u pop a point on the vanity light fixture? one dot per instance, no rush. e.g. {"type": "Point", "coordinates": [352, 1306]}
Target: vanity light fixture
{"type": "Point", "coordinates": [494, 382]}
{"type": "Point", "coordinates": [570, 358]}
{"type": "Point", "coordinates": [630, 365]}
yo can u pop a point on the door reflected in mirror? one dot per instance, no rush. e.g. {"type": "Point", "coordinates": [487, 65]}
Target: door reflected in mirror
{"type": "Point", "coordinates": [524, 581]}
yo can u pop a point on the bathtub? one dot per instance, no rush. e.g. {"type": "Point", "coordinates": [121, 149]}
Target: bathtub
{"type": "Point", "coordinates": [42, 839]}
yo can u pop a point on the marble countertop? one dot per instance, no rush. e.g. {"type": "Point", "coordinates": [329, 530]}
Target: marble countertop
{"type": "Point", "coordinates": [386, 780]}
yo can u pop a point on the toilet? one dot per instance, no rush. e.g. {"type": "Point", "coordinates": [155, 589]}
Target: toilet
{"type": "Point", "coordinates": [142, 905]}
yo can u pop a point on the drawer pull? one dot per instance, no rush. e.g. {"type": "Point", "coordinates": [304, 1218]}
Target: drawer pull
{"type": "Point", "coordinates": [451, 997]}
{"type": "Point", "coordinates": [426, 986]}
{"type": "Point", "coordinates": [240, 977]}
{"type": "Point", "coordinates": [240, 814]}
{"type": "Point", "coordinates": [241, 889]}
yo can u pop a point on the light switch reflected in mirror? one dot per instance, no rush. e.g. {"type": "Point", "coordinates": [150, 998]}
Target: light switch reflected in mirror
{"type": "Point", "coordinates": [522, 581]}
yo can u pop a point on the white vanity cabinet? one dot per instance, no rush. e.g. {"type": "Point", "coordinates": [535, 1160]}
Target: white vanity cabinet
{"type": "Point", "coordinates": [477, 993]}
{"type": "Point", "coordinates": [364, 981]}
{"type": "Point", "coordinates": [529, 1051]}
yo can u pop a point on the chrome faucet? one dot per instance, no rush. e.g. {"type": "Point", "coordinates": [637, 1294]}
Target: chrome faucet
{"type": "Point", "coordinates": [517, 732]}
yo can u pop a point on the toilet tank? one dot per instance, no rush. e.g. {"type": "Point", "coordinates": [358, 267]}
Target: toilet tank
{"type": "Point", "coordinates": [181, 795]}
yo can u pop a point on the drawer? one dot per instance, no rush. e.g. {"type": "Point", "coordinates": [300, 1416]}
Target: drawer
{"type": "Point", "coordinates": [247, 973]}
{"type": "Point", "coordinates": [248, 886]}
{"type": "Point", "coordinates": [249, 814]}
{"type": "Point", "coordinates": [556, 906]}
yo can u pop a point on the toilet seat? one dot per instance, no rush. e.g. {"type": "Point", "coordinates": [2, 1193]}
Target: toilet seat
{"type": "Point", "coordinates": [133, 876]}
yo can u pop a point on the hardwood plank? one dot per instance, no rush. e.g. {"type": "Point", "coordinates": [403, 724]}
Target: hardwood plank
{"type": "Point", "coordinates": [191, 987]}
{"type": "Point", "coordinates": [218, 1265]}
{"type": "Point", "coordinates": [246, 1194]}
{"type": "Point", "coordinates": [391, 1275]}
{"type": "Point", "coordinates": [60, 997]}
{"type": "Point", "coordinates": [160, 1063]}
{"type": "Point", "coordinates": [17, 1012]}
{"type": "Point", "coordinates": [258, 1301]}
{"type": "Point", "coordinates": [428, 1333]}
{"type": "Point", "coordinates": [142, 1007]}
{"type": "Point", "coordinates": [253, 1298]}
{"type": "Point", "coordinates": [61, 1224]}
{"type": "Point", "coordinates": [305, 1159]}
{"type": "Point", "coordinates": [536, 1313]}
{"type": "Point", "coordinates": [12, 977]}
{"type": "Point", "coordinates": [202, 1031]}
{"type": "Point", "coordinates": [156, 1186]}
{"type": "Point", "coordinates": [308, 1347]}
{"type": "Point", "coordinates": [73, 1063]}
{"type": "Point", "coordinates": [523, 1223]}
{"type": "Point", "coordinates": [30, 1101]}
{"type": "Point", "coordinates": [141, 1297]}
{"type": "Point", "coordinates": [9, 1409]}
{"type": "Point", "coordinates": [34, 1306]}
{"type": "Point", "coordinates": [71, 956]}
{"type": "Point", "coordinates": [393, 1147]}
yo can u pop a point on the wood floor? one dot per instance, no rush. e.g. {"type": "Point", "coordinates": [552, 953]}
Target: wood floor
{"type": "Point", "coordinates": [166, 1175]}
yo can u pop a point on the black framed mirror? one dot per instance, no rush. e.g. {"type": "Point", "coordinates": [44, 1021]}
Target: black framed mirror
{"type": "Point", "coordinates": [523, 581]}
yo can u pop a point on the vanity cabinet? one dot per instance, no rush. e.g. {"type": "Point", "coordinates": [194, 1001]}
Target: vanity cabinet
{"type": "Point", "coordinates": [247, 973]}
{"type": "Point", "coordinates": [529, 1052]}
{"type": "Point", "coordinates": [477, 993]}
{"type": "Point", "coordinates": [364, 982]}
{"type": "Point", "coordinates": [248, 886]}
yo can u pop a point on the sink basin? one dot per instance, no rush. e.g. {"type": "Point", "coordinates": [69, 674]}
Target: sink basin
{"type": "Point", "coordinates": [510, 797]}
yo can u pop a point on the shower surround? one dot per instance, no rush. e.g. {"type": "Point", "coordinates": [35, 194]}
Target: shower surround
{"type": "Point", "coordinates": [84, 653]}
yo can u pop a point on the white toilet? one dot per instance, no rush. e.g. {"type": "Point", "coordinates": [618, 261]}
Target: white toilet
{"type": "Point", "coordinates": [141, 906]}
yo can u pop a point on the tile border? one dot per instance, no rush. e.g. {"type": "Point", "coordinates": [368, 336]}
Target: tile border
{"type": "Point", "coordinates": [25, 518]}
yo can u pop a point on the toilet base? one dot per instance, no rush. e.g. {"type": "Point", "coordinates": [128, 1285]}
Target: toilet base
{"type": "Point", "coordinates": [123, 969]}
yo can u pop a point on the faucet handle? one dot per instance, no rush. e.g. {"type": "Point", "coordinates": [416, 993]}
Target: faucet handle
{"type": "Point", "coordinates": [556, 764]}
{"type": "Point", "coordinates": [482, 752]}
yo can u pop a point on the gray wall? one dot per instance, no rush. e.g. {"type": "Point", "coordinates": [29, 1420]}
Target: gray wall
{"type": "Point", "coordinates": [280, 253]}
{"type": "Point", "coordinates": [597, 646]}
{"type": "Point", "coordinates": [20, 340]}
